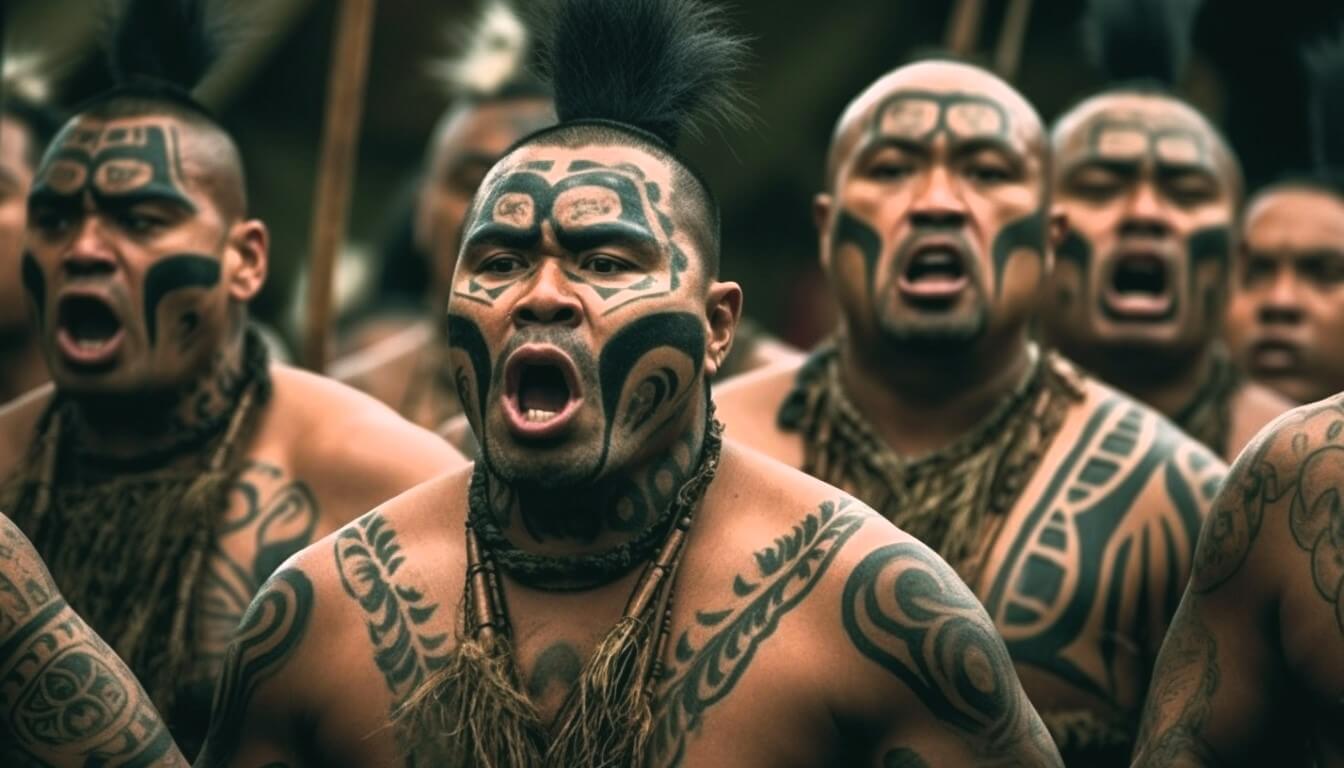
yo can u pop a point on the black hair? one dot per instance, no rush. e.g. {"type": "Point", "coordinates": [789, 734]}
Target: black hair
{"type": "Point", "coordinates": [642, 73]}
{"type": "Point", "coordinates": [1138, 43]}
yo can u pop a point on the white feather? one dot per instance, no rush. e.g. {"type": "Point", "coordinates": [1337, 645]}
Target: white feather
{"type": "Point", "coordinates": [492, 52]}
{"type": "Point", "coordinates": [22, 76]}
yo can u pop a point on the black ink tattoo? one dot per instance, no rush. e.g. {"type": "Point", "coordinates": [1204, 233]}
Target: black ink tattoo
{"type": "Point", "coordinates": [1179, 704]}
{"type": "Point", "coordinates": [558, 665]}
{"type": "Point", "coordinates": [64, 695]}
{"type": "Point", "coordinates": [174, 273]}
{"type": "Point", "coordinates": [1080, 564]}
{"type": "Point", "coordinates": [119, 165]}
{"type": "Point", "coordinates": [908, 611]}
{"type": "Point", "coordinates": [272, 630]}
{"type": "Point", "coordinates": [368, 557]}
{"type": "Point", "coordinates": [920, 116]}
{"type": "Point", "coordinates": [902, 757]}
{"type": "Point", "coordinates": [785, 574]}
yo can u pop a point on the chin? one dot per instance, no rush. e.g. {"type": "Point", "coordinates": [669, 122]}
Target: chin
{"type": "Point", "coordinates": [544, 469]}
{"type": "Point", "coordinates": [952, 333]}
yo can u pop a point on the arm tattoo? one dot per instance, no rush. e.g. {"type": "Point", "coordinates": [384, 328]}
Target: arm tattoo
{"type": "Point", "coordinates": [1089, 561]}
{"type": "Point", "coordinates": [63, 693]}
{"type": "Point", "coordinates": [272, 629]}
{"type": "Point", "coordinates": [908, 611]}
{"type": "Point", "coordinates": [1294, 474]}
{"type": "Point", "coordinates": [368, 557]}
{"type": "Point", "coordinates": [273, 517]}
{"type": "Point", "coordinates": [1178, 705]}
{"type": "Point", "coordinates": [785, 573]}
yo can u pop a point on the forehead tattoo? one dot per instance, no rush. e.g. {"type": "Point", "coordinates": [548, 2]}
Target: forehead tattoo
{"type": "Point", "coordinates": [922, 115]}
{"type": "Point", "coordinates": [1130, 140]}
{"type": "Point", "coordinates": [116, 162]}
{"type": "Point", "coordinates": [594, 204]}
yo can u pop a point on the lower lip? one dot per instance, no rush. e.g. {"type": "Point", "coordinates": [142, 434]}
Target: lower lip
{"type": "Point", "coordinates": [89, 355]}
{"type": "Point", "coordinates": [1274, 360]}
{"type": "Point", "coordinates": [1138, 305]}
{"type": "Point", "coordinates": [933, 288]}
{"type": "Point", "coordinates": [550, 429]}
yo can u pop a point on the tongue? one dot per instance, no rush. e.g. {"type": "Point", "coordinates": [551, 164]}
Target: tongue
{"type": "Point", "coordinates": [543, 389]}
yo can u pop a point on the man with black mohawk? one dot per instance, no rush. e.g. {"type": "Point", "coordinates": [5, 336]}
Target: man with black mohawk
{"type": "Point", "coordinates": [613, 584]}
{"type": "Point", "coordinates": [171, 468]}
{"type": "Point", "coordinates": [1151, 192]}
{"type": "Point", "coordinates": [1287, 312]}
{"type": "Point", "coordinates": [1069, 509]}
{"type": "Point", "coordinates": [1252, 670]}
{"type": "Point", "coordinates": [27, 123]}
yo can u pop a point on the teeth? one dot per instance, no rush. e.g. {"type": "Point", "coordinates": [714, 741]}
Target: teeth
{"type": "Point", "coordinates": [88, 343]}
{"type": "Point", "coordinates": [538, 414]}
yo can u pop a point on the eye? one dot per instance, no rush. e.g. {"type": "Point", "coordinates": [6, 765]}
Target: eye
{"type": "Point", "coordinates": [988, 174]}
{"type": "Point", "coordinates": [1258, 270]}
{"type": "Point", "coordinates": [51, 221]}
{"type": "Point", "coordinates": [141, 223]}
{"type": "Point", "coordinates": [605, 265]}
{"type": "Point", "coordinates": [890, 170]}
{"type": "Point", "coordinates": [503, 264]}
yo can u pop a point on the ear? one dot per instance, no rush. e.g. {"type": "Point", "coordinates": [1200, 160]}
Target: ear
{"type": "Point", "coordinates": [723, 308]}
{"type": "Point", "coordinates": [823, 205]}
{"type": "Point", "coordinates": [248, 253]}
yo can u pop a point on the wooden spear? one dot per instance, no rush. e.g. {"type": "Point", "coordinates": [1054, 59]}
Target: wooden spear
{"type": "Point", "coordinates": [963, 29]}
{"type": "Point", "coordinates": [1012, 36]}
{"type": "Point", "coordinates": [336, 166]}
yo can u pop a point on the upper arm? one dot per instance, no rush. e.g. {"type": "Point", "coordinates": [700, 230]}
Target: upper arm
{"type": "Point", "coordinates": [44, 648]}
{"type": "Point", "coordinates": [256, 716]}
{"type": "Point", "coordinates": [1217, 677]}
{"type": "Point", "coordinates": [947, 692]}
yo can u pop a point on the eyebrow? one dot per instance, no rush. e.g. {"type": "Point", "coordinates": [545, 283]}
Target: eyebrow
{"type": "Point", "coordinates": [503, 236]}
{"type": "Point", "coordinates": [974, 144]}
{"type": "Point", "coordinates": [132, 199]}
{"type": "Point", "coordinates": [1120, 167]}
{"type": "Point", "coordinates": [578, 239]}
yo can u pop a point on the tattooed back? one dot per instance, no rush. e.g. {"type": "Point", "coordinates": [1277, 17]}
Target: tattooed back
{"type": "Point", "coordinates": [1087, 566]}
{"type": "Point", "coordinates": [805, 631]}
{"type": "Point", "coordinates": [1252, 671]}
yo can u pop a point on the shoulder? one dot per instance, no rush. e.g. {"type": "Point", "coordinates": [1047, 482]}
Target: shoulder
{"type": "Point", "coordinates": [748, 405]}
{"type": "Point", "coordinates": [1253, 407]}
{"type": "Point", "coordinates": [18, 419]}
{"type": "Point", "coordinates": [336, 428]}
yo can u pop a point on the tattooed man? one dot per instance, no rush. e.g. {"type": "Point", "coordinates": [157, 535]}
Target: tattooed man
{"type": "Point", "coordinates": [171, 468]}
{"type": "Point", "coordinates": [1151, 190]}
{"type": "Point", "coordinates": [65, 697]}
{"type": "Point", "coordinates": [25, 127]}
{"type": "Point", "coordinates": [1252, 671]}
{"type": "Point", "coordinates": [613, 584]}
{"type": "Point", "coordinates": [1069, 509]}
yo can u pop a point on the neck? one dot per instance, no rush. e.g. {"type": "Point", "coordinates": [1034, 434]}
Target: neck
{"type": "Point", "coordinates": [621, 507]}
{"type": "Point", "coordinates": [1165, 381]}
{"type": "Point", "coordinates": [22, 367]}
{"type": "Point", "coordinates": [919, 402]}
{"type": "Point", "coordinates": [126, 426]}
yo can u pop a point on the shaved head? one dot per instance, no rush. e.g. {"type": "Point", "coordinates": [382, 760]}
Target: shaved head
{"type": "Point", "coordinates": [942, 77]}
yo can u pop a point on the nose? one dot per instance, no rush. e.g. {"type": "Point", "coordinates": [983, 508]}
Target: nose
{"type": "Point", "coordinates": [549, 299]}
{"type": "Point", "coordinates": [937, 202]}
{"type": "Point", "coordinates": [89, 254]}
{"type": "Point", "coordinates": [1145, 215]}
{"type": "Point", "coordinates": [1280, 305]}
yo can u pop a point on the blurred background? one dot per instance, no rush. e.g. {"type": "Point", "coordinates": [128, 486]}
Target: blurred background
{"type": "Point", "coordinates": [811, 58]}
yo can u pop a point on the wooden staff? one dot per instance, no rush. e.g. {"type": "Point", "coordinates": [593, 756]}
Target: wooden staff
{"type": "Point", "coordinates": [1011, 38]}
{"type": "Point", "coordinates": [331, 200]}
{"type": "Point", "coordinates": [963, 30]}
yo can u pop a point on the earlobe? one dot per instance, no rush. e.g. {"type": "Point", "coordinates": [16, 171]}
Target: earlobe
{"type": "Point", "coordinates": [822, 205]}
{"type": "Point", "coordinates": [248, 249]}
{"type": "Point", "coordinates": [723, 308]}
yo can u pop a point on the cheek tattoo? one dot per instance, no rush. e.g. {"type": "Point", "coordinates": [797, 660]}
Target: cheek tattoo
{"type": "Point", "coordinates": [850, 230]}
{"type": "Point", "coordinates": [1077, 250]}
{"type": "Point", "coordinates": [36, 285]}
{"type": "Point", "coordinates": [464, 335]}
{"type": "Point", "coordinates": [173, 273]}
{"type": "Point", "coordinates": [1026, 232]}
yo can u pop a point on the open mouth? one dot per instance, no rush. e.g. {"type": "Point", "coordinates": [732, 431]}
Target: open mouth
{"type": "Point", "coordinates": [541, 392]}
{"type": "Point", "coordinates": [1140, 287]}
{"type": "Point", "coordinates": [934, 273]}
{"type": "Point", "coordinates": [89, 332]}
{"type": "Point", "coordinates": [1273, 357]}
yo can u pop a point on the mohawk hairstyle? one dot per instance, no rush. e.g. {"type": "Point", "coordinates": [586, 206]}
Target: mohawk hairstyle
{"type": "Point", "coordinates": [159, 50]}
{"type": "Point", "coordinates": [492, 58]}
{"type": "Point", "coordinates": [1325, 110]}
{"type": "Point", "coordinates": [662, 66]}
{"type": "Point", "coordinates": [1140, 41]}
